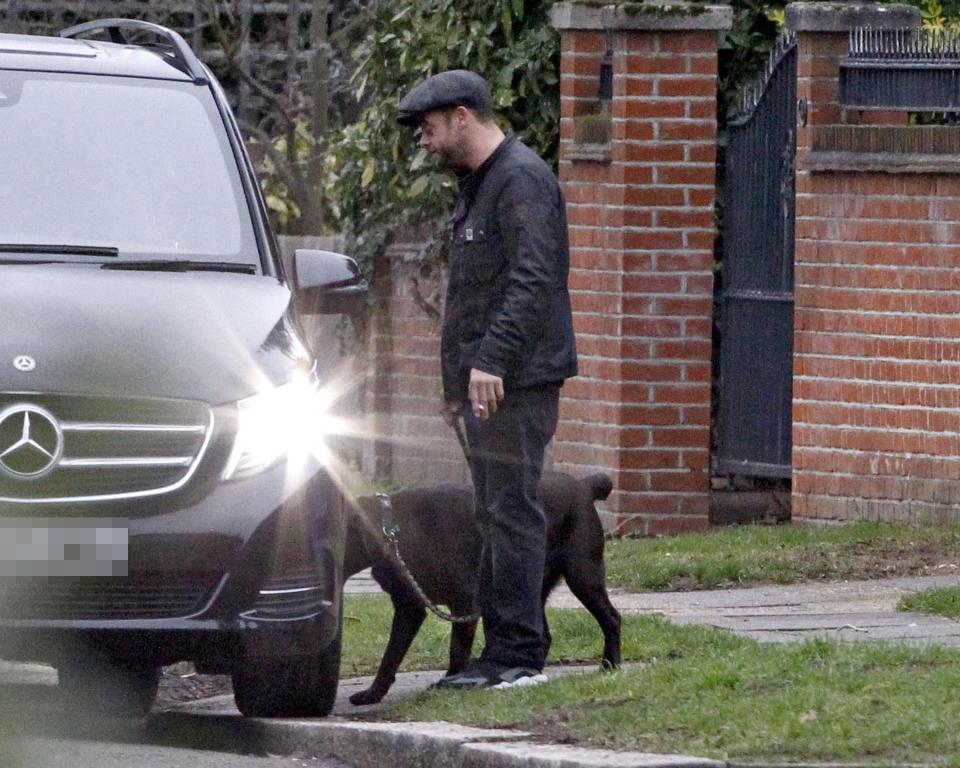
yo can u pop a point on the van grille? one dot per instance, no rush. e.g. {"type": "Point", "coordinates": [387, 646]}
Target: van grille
{"type": "Point", "coordinates": [111, 448]}
{"type": "Point", "coordinates": [161, 596]}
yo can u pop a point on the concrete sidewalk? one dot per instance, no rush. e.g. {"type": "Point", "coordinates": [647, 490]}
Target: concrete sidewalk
{"type": "Point", "coordinates": [845, 610]}
{"type": "Point", "coordinates": [848, 610]}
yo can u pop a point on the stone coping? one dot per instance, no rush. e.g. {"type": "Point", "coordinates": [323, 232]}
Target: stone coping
{"type": "Point", "coordinates": [678, 16]}
{"type": "Point", "coordinates": [878, 162]}
{"type": "Point", "coordinates": [842, 17]}
{"type": "Point", "coordinates": [588, 152]}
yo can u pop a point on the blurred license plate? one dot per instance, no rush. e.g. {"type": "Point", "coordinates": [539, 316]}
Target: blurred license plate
{"type": "Point", "coordinates": [84, 546]}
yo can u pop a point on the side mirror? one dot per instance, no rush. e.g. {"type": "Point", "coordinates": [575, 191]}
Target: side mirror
{"type": "Point", "coordinates": [327, 283]}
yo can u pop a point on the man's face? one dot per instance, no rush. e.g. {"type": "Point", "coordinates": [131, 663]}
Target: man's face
{"type": "Point", "coordinates": [442, 134]}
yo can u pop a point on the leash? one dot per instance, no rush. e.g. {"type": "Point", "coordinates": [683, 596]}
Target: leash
{"type": "Point", "coordinates": [391, 530]}
{"type": "Point", "coordinates": [461, 438]}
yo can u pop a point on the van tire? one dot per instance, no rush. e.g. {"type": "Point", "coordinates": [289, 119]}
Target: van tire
{"type": "Point", "coordinates": [302, 686]}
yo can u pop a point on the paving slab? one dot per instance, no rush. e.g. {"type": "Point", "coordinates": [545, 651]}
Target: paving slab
{"type": "Point", "coordinates": [852, 611]}
{"type": "Point", "coordinates": [822, 597]}
{"type": "Point", "coordinates": [889, 627]}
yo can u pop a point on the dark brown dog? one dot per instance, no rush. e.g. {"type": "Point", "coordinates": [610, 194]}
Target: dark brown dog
{"type": "Point", "coordinates": [440, 543]}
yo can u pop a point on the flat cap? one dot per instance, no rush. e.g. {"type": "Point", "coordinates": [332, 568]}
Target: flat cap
{"type": "Point", "coordinates": [454, 88]}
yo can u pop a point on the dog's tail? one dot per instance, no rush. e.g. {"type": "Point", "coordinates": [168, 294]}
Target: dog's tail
{"type": "Point", "coordinates": [600, 485]}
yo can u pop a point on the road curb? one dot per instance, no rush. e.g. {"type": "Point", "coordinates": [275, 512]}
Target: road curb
{"type": "Point", "coordinates": [530, 755]}
{"type": "Point", "coordinates": [408, 745]}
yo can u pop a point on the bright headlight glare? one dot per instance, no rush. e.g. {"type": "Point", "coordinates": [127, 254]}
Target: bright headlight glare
{"type": "Point", "coordinates": [284, 421]}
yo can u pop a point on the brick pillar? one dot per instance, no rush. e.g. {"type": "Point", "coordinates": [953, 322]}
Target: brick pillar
{"type": "Point", "coordinates": [877, 337]}
{"type": "Point", "coordinates": [823, 31]}
{"type": "Point", "coordinates": [638, 171]}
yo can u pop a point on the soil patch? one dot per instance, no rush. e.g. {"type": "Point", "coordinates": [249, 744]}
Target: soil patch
{"type": "Point", "coordinates": [181, 683]}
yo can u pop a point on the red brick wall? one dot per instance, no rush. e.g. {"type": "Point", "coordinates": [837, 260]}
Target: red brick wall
{"type": "Point", "coordinates": [877, 330]}
{"type": "Point", "coordinates": [877, 347]}
{"type": "Point", "coordinates": [642, 234]}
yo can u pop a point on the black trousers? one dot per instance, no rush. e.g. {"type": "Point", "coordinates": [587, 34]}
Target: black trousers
{"type": "Point", "coordinates": [506, 461]}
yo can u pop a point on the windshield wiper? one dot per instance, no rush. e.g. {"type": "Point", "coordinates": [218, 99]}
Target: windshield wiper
{"type": "Point", "coordinates": [174, 265]}
{"type": "Point", "coordinates": [46, 250]}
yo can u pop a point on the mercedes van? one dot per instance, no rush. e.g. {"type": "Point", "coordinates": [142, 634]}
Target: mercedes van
{"type": "Point", "coordinates": [163, 493]}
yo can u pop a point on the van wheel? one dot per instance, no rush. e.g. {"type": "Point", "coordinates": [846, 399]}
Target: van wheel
{"type": "Point", "coordinates": [108, 687]}
{"type": "Point", "coordinates": [304, 686]}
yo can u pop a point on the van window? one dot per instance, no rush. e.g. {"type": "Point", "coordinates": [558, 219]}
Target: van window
{"type": "Point", "coordinates": [143, 166]}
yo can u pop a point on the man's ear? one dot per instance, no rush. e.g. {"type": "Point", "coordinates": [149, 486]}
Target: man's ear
{"type": "Point", "coordinates": [461, 115]}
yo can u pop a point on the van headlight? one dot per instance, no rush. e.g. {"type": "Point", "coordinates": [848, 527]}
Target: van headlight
{"type": "Point", "coordinates": [281, 422]}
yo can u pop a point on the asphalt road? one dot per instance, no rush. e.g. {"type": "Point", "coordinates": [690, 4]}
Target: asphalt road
{"type": "Point", "coordinates": [36, 733]}
{"type": "Point", "coordinates": [69, 753]}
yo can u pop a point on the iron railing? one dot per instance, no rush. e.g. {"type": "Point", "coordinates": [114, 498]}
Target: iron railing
{"type": "Point", "coordinates": [915, 69]}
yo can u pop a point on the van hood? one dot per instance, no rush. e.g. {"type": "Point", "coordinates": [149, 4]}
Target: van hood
{"type": "Point", "coordinates": [210, 336]}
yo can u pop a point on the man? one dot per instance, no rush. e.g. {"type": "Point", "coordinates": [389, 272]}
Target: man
{"type": "Point", "coordinates": [506, 348]}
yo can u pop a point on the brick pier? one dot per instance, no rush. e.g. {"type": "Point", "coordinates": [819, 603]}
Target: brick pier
{"type": "Point", "coordinates": [638, 171]}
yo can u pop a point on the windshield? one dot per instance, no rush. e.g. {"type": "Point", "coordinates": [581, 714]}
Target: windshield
{"type": "Point", "coordinates": [142, 166]}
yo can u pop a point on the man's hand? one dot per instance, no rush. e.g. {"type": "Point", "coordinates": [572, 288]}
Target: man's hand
{"type": "Point", "coordinates": [451, 411]}
{"type": "Point", "coordinates": [486, 392]}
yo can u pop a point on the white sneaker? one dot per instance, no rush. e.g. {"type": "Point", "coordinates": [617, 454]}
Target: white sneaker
{"type": "Point", "coordinates": [524, 680]}
{"type": "Point", "coordinates": [489, 674]}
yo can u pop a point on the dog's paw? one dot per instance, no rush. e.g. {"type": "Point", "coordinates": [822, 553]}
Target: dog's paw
{"type": "Point", "coordinates": [608, 665]}
{"type": "Point", "coordinates": [369, 696]}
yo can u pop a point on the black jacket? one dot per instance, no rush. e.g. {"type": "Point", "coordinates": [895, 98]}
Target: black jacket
{"type": "Point", "coordinates": [508, 306]}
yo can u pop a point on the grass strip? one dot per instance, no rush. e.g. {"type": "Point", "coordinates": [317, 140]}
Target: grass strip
{"type": "Point", "coordinates": [815, 702]}
{"type": "Point", "coordinates": [702, 692]}
{"type": "Point", "coordinates": [939, 602]}
{"type": "Point", "coordinates": [782, 554]}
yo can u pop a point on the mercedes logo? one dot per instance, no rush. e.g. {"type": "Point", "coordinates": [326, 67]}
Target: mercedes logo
{"type": "Point", "coordinates": [24, 363]}
{"type": "Point", "coordinates": [30, 441]}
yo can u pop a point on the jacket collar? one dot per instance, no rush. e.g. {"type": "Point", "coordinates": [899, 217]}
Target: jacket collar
{"type": "Point", "coordinates": [495, 155]}
{"type": "Point", "coordinates": [471, 181]}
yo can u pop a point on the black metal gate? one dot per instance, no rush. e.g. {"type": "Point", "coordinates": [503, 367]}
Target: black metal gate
{"type": "Point", "coordinates": [756, 313]}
